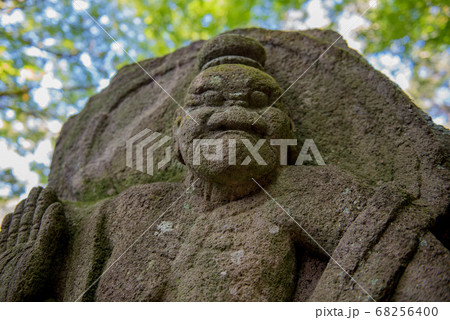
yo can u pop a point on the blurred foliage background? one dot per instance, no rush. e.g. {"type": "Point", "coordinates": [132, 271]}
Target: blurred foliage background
{"type": "Point", "coordinates": [53, 56]}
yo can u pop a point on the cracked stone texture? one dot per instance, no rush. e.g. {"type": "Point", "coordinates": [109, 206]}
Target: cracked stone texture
{"type": "Point", "coordinates": [373, 205]}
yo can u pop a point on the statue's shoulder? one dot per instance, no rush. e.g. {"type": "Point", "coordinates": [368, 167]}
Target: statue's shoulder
{"type": "Point", "coordinates": [152, 191]}
{"type": "Point", "coordinates": [145, 200]}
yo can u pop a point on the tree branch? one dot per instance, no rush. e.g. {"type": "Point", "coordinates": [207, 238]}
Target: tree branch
{"type": "Point", "coordinates": [55, 53]}
{"type": "Point", "coordinates": [23, 90]}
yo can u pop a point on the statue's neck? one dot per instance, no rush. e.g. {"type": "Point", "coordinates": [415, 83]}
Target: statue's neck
{"type": "Point", "coordinates": [214, 192]}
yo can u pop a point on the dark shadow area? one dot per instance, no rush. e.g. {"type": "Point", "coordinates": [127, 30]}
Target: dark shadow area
{"type": "Point", "coordinates": [310, 268]}
{"type": "Point", "coordinates": [441, 229]}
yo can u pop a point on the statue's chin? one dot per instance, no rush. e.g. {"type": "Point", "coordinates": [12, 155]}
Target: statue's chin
{"type": "Point", "coordinates": [233, 168]}
{"type": "Point", "coordinates": [231, 174]}
{"type": "Point", "coordinates": [228, 183]}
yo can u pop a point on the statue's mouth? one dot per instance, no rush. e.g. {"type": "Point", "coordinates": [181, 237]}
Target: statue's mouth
{"type": "Point", "coordinates": [237, 121]}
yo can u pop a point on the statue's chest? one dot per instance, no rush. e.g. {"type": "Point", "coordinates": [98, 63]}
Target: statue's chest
{"type": "Point", "coordinates": [236, 256]}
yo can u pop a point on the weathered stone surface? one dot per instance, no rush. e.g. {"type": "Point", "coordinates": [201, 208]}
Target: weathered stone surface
{"type": "Point", "coordinates": [425, 281]}
{"type": "Point", "coordinates": [371, 207]}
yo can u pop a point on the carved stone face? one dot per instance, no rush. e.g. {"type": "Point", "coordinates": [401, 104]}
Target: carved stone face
{"type": "Point", "coordinates": [226, 100]}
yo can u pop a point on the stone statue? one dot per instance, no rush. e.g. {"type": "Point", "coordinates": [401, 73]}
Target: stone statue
{"type": "Point", "coordinates": [368, 225]}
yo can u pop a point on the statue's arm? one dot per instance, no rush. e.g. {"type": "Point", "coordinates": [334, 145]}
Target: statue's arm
{"type": "Point", "coordinates": [373, 251]}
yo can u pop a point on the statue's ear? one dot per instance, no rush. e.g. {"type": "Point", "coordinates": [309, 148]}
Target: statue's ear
{"type": "Point", "coordinates": [293, 150]}
{"type": "Point", "coordinates": [178, 152]}
{"type": "Point", "coordinates": [176, 146]}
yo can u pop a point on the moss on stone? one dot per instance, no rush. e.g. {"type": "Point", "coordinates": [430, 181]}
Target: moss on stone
{"type": "Point", "coordinates": [102, 251]}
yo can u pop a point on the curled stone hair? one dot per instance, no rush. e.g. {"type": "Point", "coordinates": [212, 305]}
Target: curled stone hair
{"type": "Point", "coordinates": [232, 49]}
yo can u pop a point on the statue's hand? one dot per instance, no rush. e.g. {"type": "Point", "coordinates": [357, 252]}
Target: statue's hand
{"type": "Point", "coordinates": [31, 240]}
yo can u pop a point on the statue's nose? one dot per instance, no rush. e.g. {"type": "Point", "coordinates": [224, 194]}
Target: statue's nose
{"type": "Point", "coordinates": [237, 99]}
{"type": "Point", "coordinates": [237, 103]}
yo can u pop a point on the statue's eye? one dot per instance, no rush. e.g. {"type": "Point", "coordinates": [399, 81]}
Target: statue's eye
{"type": "Point", "coordinates": [213, 98]}
{"type": "Point", "coordinates": [193, 100]}
{"type": "Point", "coordinates": [259, 99]}
{"type": "Point", "coordinates": [199, 89]}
